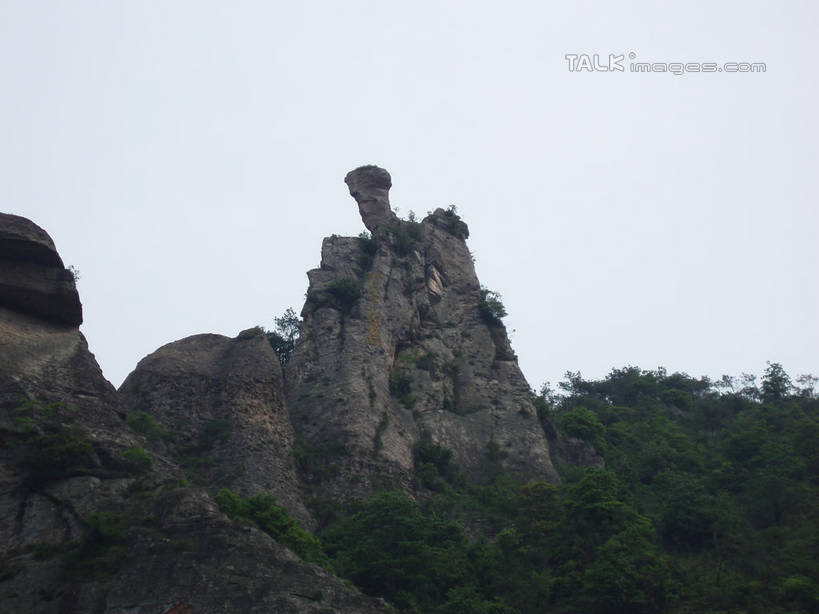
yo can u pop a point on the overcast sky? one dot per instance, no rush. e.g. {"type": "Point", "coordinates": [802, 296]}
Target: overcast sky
{"type": "Point", "coordinates": [188, 158]}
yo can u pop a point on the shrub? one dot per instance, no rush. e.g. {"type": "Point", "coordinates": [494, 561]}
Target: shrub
{"type": "Point", "coordinates": [491, 308]}
{"type": "Point", "coordinates": [584, 424]}
{"type": "Point", "coordinates": [146, 425]}
{"type": "Point", "coordinates": [453, 222]}
{"type": "Point", "coordinates": [317, 463]}
{"type": "Point", "coordinates": [401, 388]}
{"type": "Point", "coordinates": [274, 520]}
{"type": "Point", "coordinates": [101, 549]}
{"type": "Point", "coordinates": [369, 245]}
{"type": "Point", "coordinates": [340, 294]}
{"type": "Point", "coordinates": [427, 362]}
{"type": "Point", "coordinates": [139, 459]}
{"type": "Point", "coordinates": [434, 468]}
{"type": "Point", "coordinates": [56, 455]}
{"type": "Point", "coordinates": [405, 237]}
{"type": "Point", "coordinates": [213, 432]}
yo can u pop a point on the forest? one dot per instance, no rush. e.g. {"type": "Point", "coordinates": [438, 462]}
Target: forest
{"type": "Point", "coordinates": [708, 501]}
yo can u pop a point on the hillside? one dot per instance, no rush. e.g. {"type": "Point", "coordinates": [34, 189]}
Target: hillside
{"type": "Point", "coordinates": [383, 451]}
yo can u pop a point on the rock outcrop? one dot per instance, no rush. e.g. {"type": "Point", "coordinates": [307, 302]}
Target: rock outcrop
{"type": "Point", "coordinates": [32, 276]}
{"type": "Point", "coordinates": [91, 521]}
{"type": "Point", "coordinates": [221, 404]}
{"type": "Point", "coordinates": [399, 344]}
{"type": "Point", "coordinates": [370, 186]}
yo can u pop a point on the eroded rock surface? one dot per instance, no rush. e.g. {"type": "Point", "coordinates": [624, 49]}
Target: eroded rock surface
{"type": "Point", "coordinates": [221, 403]}
{"type": "Point", "coordinates": [397, 346]}
{"type": "Point", "coordinates": [33, 279]}
{"type": "Point", "coordinates": [370, 186]}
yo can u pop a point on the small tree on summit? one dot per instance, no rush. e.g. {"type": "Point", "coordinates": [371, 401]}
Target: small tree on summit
{"type": "Point", "coordinates": [283, 339]}
{"type": "Point", "coordinates": [776, 384]}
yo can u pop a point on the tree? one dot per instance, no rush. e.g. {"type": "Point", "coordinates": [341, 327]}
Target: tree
{"type": "Point", "coordinates": [775, 383]}
{"type": "Point", "coordinates": [283, 339]}
{"type": "Point", "coordinates": [491, 308]}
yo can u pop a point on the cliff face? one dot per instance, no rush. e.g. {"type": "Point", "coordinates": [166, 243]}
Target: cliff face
{"type": "Point", "coordinates": [92, 522]}
{"type": "Point", "coordinates": [221, 404]}
{"type": "Point", "coordinates": [104, 495]}
{"type": "Point", "coordinates": [399, 344]}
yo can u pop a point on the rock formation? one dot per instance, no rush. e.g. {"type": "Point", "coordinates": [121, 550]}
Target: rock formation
{"type": "Point", "coordinates": [370, 186]}
{"type": "Point", "coordinates": [106, 497]}
{"type": "Point", "coordinates": [92, 522]}
{"type": "Point", "coordinates": [221, 403]}
{"type": "Point", "coordinates": [32, 276]}
{"type": "Point", "coordinates": [399, 344]}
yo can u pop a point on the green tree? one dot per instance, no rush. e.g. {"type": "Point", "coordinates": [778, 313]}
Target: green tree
{"type": "Point", "coordinates": [392, 549]}
{"type": "Point", "coordinates": [283, 339]}
{"type": "Point", "coordinates": [776, 384]}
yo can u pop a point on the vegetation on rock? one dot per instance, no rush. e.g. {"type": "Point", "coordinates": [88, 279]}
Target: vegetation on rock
{"type": "Point", "coordinates": [283, 338]}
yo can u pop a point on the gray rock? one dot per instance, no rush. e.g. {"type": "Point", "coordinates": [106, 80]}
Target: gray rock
{"type": "Point", "coordinates": [175, 546]}
{"type": "Point", "coordinates": [33, 279]}
{"type": "Point", "coordinates": [404, 354]}
{"type": "Point", "coordinates": [370, 186]}
{"type": "Point", "coordinates": [221, 402]}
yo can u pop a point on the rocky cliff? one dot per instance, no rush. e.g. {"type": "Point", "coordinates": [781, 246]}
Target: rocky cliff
{"type": "Point", "coordinates": [221, 404]}
{"type": "Point", "coordinates": [401, 344]}
{"type": "Point", "coordinates": [108, 499]}
{"type": "Point", "coordinates": [94, 517]}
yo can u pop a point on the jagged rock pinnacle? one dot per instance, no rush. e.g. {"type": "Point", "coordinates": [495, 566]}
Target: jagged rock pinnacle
{"type": "Point", "coordinates": [370, 186]}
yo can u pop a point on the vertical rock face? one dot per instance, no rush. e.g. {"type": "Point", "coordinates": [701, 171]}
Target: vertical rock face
{"type": "Point", "coordinates": [32, 276]}
{"type": "Point", "coordinates": [397, 346]}
{"type": "Point", "coordinates": [221, 402]}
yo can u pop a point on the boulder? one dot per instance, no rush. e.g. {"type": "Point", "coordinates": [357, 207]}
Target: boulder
{"type": "Point", "coordinates": [221, 403]}
{"type": "Point", "coordinates": [33, 279]}
{"type": "Point", "coordinates": [370, 186]}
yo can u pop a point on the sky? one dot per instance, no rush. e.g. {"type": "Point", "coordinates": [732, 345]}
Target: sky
{"type": "Point", "coordinates": [188, 158]}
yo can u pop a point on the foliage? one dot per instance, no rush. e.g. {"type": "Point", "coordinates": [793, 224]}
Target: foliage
{"type": "Point", "coordinates": [389, 547]}
{"type": "Point", "coordinates": [199, 459]}
{"type": "Point", "coordinates": [74, 272]}
{"type": "Point", "coordinates": [709, 502]}
{"type": "Point", "coordinates": [776, 384]}
{"type": "Point", "coordinates": [379, 433]}
{"type": "Point", "coordinates": [56, 455]}
{"type": "Point", "coordinates": [341, 294]}
{"type": "Point", "coordinates": [401, 388]}
{"type": "Point", "coordinates": [434, 468]}
{"type": "Point", "coordinates": [453, 223]}
{"type": "Point", "coordinates": [427, 361]}
{"type": "Point", "coordinates": [147, 426]}
{"type": "Point", "coordinates": [405, 237]}
{"type": "Point", "coordinates": [283, 338]}
{"type": "Point", "coordinates": [319, 462]}
{"type": "Point", "coordinates": [34, 415]}
{"type": "Point", "coordinates": [490, 308]}
{"type": "Point", "coordinates": [138, 458]}
{"type": "Point", "coordinates": [582, 423]}
{"type": "Point", "coordinates": [262, 511]}
{"type": "Point", "coordinates": [369, 245]}
{"type": "Point", "coordinates": [101, 549]}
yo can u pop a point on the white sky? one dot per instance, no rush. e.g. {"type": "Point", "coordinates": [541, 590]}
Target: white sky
{"type": "Point", "coordinates": [188, 158]}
